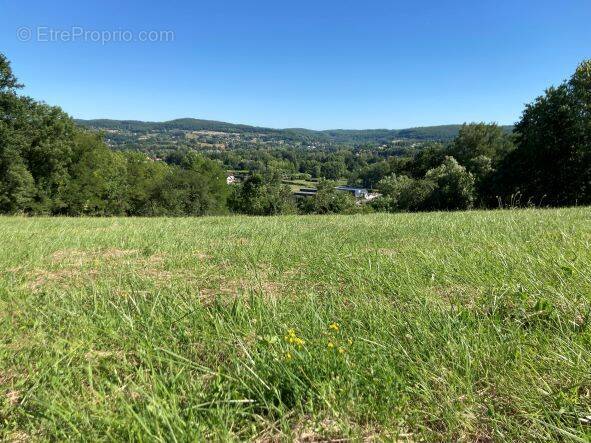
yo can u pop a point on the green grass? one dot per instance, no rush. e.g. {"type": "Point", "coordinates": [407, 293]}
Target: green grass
{"type": "Point", "coordinates": [451, 326]}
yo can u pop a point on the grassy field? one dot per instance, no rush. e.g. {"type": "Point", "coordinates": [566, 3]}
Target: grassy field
{"type": "Point", "coordinates": [445, 326]}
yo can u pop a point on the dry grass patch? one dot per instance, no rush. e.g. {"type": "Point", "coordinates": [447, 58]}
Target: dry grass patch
{"type": "Point", "coordinates": [465, 296]}
{"type": "Point", "coordinates": [387, 252]}
{"type": "Point", "coordinates": [18, 437]}
{"type": "Point", "coordinates": [64, 278]}
{"type": "Point", "coordinates": [13, 397]}
{"type": "Point", "coordinates": [202, 257]}
{"type": "Point", "coordinates": [81, 257]}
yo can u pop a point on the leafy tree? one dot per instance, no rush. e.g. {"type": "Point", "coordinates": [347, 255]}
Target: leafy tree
{"type": "Point", "coordinates": [196, 187]}
{"type": "Point", "coordinates": [97, 184]}
{"type": "Point", "coordinates": [17, 187]}
{"type": "Point", "coordinates": [403, 193]}
{"type": "Point", "coordinates": [328, 200]}
{"type": "Point", "coordinates": [49, 166]}
{"type": "Point", "coordinates": [260, 195]}
{"type": "Point", "coordinates": [427, 158]}
{"type": "Point", "coordinates": [333, 170]}
{"type": "Point", "coordinates": [552, 162]}
{"type": "Point", "coordinates": [145, 178]}
{"type": "Point", "coordinates": [454, 186]}
{"type": "Point", "coordinates": [8, 82]}
{"type": "Point", "coordinates": [480, 139]}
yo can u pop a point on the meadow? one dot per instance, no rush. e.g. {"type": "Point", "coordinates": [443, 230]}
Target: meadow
{"type": "Point", "coordinates": [469, 326]}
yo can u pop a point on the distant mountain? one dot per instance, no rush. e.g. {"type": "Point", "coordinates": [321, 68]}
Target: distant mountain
{"type": "Point", "coordinates": [344, 136]}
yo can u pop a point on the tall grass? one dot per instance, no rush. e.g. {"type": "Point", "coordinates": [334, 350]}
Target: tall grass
{"type": "Point", "coordinates": [444, 326]}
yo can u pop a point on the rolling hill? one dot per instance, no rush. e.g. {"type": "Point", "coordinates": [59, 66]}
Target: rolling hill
{"type": "Point", "coordinates": [340, 136]}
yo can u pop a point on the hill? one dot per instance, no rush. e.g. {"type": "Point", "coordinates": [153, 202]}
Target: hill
{"type": "Point", "coordinates": [468, 326]}
{"type": "Point", "coordinates": [340, 136]}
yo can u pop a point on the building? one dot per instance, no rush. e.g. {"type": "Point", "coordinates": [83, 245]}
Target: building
{"type": "Point", "coordinates": [357, 192]}
{"type": "Point", "coordinates": [305, 194]}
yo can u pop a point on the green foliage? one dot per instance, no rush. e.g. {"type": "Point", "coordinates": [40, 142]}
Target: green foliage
{"type": "Point", "coordinates": [328, 200]}
{"type": "Point", "coordinates": [145, 177]}
{"type": "Point", "coordinates": [481, 139]}
{"type": "Point", "coordinates": [17, 187]}
{"type": "Point", "coordinates": [446, 187]}
{"type": "Point", "coordinates": [197, 187]}
{"type": "Point", "coordinates": [97, 184]}
{"type": "Point", "coordinates": [262, 195]}
{"type": "Point", "coordinates": [333, 170]}
{"type": "Point", "coordinates": [8, 82]}
{"type": "Point", "coordinates": [49, 166]}
{"type": "Point", "coordinates": [403, 193]}
{"type": "Point", "coordinates": [453, 186]}
{"type": "Point", "coordinates": [552, 162]}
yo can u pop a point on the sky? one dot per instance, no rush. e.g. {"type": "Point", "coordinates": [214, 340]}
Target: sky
{"type": "Point", "coordinates": [319, 64]}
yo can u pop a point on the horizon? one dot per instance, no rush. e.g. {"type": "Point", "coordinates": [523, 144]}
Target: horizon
{"type": "Point", "coordinates": [283, 129]}
{"type": "Point", "coordinates": [340, 65]}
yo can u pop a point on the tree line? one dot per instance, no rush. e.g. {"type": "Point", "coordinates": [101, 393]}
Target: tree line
{"type": "Point", "coordinates": [546, 161]}
{"type": "Point", "coordinates": [50, 166]}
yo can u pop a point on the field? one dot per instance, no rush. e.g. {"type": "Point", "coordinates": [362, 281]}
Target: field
{"type": "Point", "coordinates": [444, 326]}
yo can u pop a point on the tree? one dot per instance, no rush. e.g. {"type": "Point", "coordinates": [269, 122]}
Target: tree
{"type": "Point", "coordinates": [8, 82]}
{"type": "Point", "coordinates": [98, 179]}
{"type": "Point", "coordinates": [260, 195]}
{"type": "Point", "coordinates": [50, 166]}
{"type": "Point", "coordinates": [454, 186]}
{"type": "Point", "coordinates": [38, 139]}
{"type": "Point", "coordinates": [17, 187]}
{"type": "Point", "coordinates": [552, 162]}
{"type": "Point", "coordinates": [480, 139]}
{"type": "Point", "coordinates": [427, 158]}
{"type": "Point", "coordinates": [328, 200]}
{"type": "Point", "coordinates": [333, 169]}
{"type": "Point", "coordinates": [403, 193]}
{"type": "Point", "coordinates": [145, 177]}
{"type": "Point", "coordinates": [196, 187]}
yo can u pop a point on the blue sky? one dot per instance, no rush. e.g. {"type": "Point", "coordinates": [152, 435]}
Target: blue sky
{"type": "Point", "coordinates": [315, 64]}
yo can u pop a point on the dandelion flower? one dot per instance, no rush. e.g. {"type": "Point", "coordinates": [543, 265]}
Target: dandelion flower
{"type": "Point", "coordinates": [334, 326]}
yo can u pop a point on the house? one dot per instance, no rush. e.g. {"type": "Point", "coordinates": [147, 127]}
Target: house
{"type": "Point", "coordinates": [357, 192]}
{"type": "Point", "coordinates": [304, 194]}
{"type": "Point", "coordinates": [230, 180]}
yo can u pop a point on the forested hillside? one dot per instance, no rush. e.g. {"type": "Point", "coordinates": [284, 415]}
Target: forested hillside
{"type": "Point", "coordinates": [342, 136]}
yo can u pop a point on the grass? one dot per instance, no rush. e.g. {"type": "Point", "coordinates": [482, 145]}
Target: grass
{"type": "Point", "coordinates": [445, 326]}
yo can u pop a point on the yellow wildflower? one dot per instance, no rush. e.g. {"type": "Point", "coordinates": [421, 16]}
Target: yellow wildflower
{"type": "Point", "coordinates": [288, 356]}
{"type": "Point", "coordinates": [342, 350]}
{"type": "Point", "coordinates": [330, 345]}
{"type": "Point", "coordinates": [334, 326]}
{"type": "Point", "coordinates": [293, 339]}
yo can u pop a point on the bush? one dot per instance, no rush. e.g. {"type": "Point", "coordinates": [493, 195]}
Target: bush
{"type": "Point", "coordinates": [260, 195]}
{"type": "Point", "coordinates": [402, 193]}
{"type": "Point", "coordinates": [329, 201]}
{"type": "Point", "coordinates": [453, 186]}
